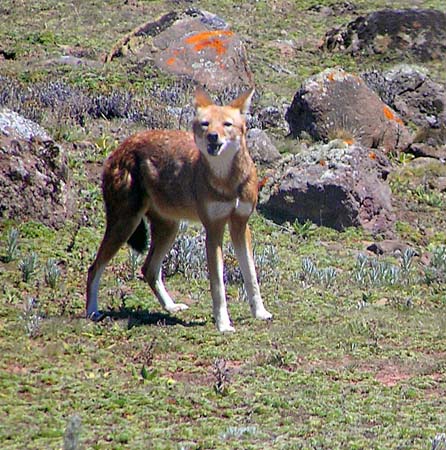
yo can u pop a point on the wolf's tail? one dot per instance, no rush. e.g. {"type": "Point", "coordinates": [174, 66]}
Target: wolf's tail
{"type": "Point", "coordinates": [139, 239]}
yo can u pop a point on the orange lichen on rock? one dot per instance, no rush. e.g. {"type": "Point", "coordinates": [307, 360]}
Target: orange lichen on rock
{"type": "Point", "coordinates": [210, 39]}
{"type": "Point", "coordinates": [349, 141]}
{"type": "Point", "coordinates": [372, 155]}
{"type": "Point", "coordinates": [391, 116]}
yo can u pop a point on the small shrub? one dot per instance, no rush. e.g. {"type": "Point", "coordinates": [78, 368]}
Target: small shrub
{"type": "Point", "coordinates": [222, 376]}
{"type": "Point", "coordinates": [371, 271]}
{"type": "Point", "coordinates": [134, 262]}
{"type": "Point", "coordinates": [435, 272]}
{"type": "Point", "coordinates": [71, 440]}
{"type": "Point", "coordinates": [239, 432]}
{"type": "Point", "coordinates": [28, 266]}
{"type": "Point", "coordinates": [311, 274]}
{"type": "Point", "coordinates": [12, 245]}
{"type": "Point", "coordinates": [304, 230]}
{"type": "Point", "coordinates": [439, 442]}
{"type": "Point", "coordinates": [52, 273]}
{"type": "Point", "coordinates": [32, 318]}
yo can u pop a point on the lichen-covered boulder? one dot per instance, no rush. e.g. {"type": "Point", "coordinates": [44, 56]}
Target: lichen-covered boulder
{"type": "Point", "coordinates": [335, 103]}
{"type": "Point", "coordinates": [33, 173]}
{"type": "Point", "coordinates": [393, 33]}
{"type": "Point", "coordinates": [194, 44]}
{"type": "Point", "coordinates": [335, 185]}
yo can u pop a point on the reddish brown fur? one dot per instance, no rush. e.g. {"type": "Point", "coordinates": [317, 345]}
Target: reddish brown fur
{"type": "Point", "coordinates": [164, 176]}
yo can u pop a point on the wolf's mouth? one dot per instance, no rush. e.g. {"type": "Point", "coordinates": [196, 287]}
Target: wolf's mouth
{"type": "Point", "coordinates": [214, 148]}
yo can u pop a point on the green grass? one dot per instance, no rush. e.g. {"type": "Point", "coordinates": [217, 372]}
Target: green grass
{"type": "Point", "coordinates": [351, 364]}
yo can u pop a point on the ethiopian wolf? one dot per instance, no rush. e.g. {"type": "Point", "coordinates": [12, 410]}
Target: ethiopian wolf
{"type": "Point", "coordinates": [165, 176]}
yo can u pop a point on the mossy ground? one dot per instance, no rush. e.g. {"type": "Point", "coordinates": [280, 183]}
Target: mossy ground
{"type": "Point", "coordinates": [355, 359]}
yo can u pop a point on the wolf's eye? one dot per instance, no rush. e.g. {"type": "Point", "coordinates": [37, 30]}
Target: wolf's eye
{"type": "Point", "coordinates": [228, 124]}
{"type": "Point", "coordinates": [204, 124]}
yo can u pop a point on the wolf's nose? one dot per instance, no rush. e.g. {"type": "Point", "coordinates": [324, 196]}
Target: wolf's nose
{"type": "Point", "coordinates": [212, 138]}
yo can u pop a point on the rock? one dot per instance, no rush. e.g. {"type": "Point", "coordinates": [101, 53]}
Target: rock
{"type": "Point", "coordinates": [33, 173]}
{"type": "Point", "coordinates": [395, 33]}
{"type": "Point", "coordinates": [18, 127]}
{"type": "Point", "coordinates": [427, 151]}
{"type": "Point", "coordinates": [272, 117]}
{"type": "Point", "coordinates": [334, 185]}
{"type": "Point", "coordinates": [336, 104]}
{"type": "Point", "coordinates": [262, 150]}
{"type": "Point", "coordinates": [390, 247]}
{"type": "Point", "coordinates": [194, 44]}
{"type": "Point", "coordinates": [412, 94]}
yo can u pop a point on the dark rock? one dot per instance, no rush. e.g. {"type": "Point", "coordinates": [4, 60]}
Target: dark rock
{"type": "Point", "coordinates": [33, 173]}
{"type": "Point", "coordinates": [418, 33]}
{"type": "Point", "coordinates": [425, 150]}
{"type": "Point", "coordinates": [334, 185]}
{"type": "Point", "coordinates": [337, 104]}
{"type": "Point", "coordinates": [262, 150]}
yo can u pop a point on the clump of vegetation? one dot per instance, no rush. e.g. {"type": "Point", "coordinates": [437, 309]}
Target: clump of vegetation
{"type": "Point", "coordinates": [222, 376]}
{"type": "Point", "coordinates": [134, 262]}
{"type": "Point", "coordinates": [12, 245]}
{"type": "Point", "coordinates": [239, 432]}
{"type": "Point", "coordinates": [71, 440]}
{"type": "Point", "coordinates": [31, 317]}
{"type": "Point", "coordinates": [51, 273]}
{"type": "Point", "coordinates": [28, 266]}
{"type": "Point", "coordinates": [435, 271]}
{"type": "Point", "coordinates": [311, 274]}
{"type": "Point", "coordinates": [187, 256]}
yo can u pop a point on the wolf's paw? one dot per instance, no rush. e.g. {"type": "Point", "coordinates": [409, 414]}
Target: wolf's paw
{"type": "Point", "coordinates": [262, 315]}
{"type": "Point", "coordinates": [176, 307]}
{"type": "Point", "coordinates": [95, 316]}
{"type": "Point", "coordinates": [225, 328]}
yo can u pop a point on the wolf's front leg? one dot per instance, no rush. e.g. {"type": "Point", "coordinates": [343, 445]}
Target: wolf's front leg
{"type": "Point", "coordinates": [241, 239]}
{"type": "Point", "coordinates": [214, 239]}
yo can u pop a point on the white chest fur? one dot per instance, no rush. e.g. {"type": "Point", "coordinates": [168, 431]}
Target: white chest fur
{"type": "Point", "coordinates": [219, 210]}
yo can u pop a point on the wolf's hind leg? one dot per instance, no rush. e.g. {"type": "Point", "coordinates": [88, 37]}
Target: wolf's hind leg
{"type": "Point", "coordinates": [117, 232]}
{"type": "Point", "coordinates": [162, 236]}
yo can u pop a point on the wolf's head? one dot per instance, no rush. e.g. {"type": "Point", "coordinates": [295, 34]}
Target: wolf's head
{"type": "Point", "coordinates": [220, 131]}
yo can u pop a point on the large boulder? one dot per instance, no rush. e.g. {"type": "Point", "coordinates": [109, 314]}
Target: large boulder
{"type": "Point", "coordinates": [411, 93]}
{"type": "Point", "coordinates": [334, 185]}
{"type": "Point", "coordinates": [33, 173]}
{"type": "Point", "coordinates": [194, 44]}
{"type": "Point", "coordinates": [393, 33]}
{"type": "Point", "coordinates": [335, 104]}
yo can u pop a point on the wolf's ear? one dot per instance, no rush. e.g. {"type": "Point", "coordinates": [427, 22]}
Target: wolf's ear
{"type": "Point", "coordinates": [202, 99]}
{"type": "Point", "coordinates": [243, 102]}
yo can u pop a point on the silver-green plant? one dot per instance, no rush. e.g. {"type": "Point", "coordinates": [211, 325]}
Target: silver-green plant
{"type": "Point", "coordinates": [439, 442]}
{"type": "Point", "coordinates": [12, 245]}
{"type": "Point", "coordinates": [312, 274]}
{"type": "Point", "coordinates": [31, 317]}
{"type": "Point", "coordinates": [51, 273]}
{"type": "Point", "coordinates": [435, 272]}
{"type": "Point", "coordinates": [134, 262]}
{"type": "Point", "coordinates": [71, 439]}
{"type": "Point", "coordinates": [28, 266]}
{"type": "Point", "coordinates": [239, 432]}
{"type": "Point", "coordinates": [222, 376]}
{"type": "Point", "coordinates": [266, 261]}
{"type": "Point", "coordinates": [407, 259]}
